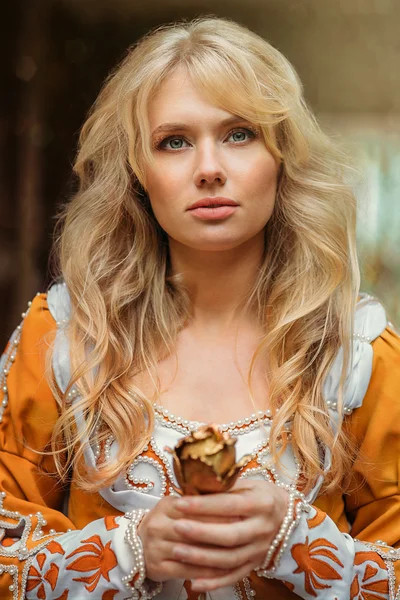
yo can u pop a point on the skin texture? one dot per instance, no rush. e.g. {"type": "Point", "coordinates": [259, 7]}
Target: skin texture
{"type": "Point", "coordinates": [176, 534]}
{"type": "Point", "coordinates": [219, 260]}
{"type": "Point", "coordinates": [207, 156]}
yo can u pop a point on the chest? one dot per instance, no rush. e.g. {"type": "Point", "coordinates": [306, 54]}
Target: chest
{"type": "Point", "coordinates": [209, 381]}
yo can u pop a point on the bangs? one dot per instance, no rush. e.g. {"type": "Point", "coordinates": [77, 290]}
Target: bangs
{"type": "Point", "coordinates": [234, 86]}
{"type": "Point", "coordinates": [228, 77]}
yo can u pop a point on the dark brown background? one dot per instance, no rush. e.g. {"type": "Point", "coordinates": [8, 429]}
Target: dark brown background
{"type": "Point", "coordinates": [56, 53]}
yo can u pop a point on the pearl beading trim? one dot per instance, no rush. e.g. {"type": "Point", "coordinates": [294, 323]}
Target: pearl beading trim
{"type": "Point", "coordinates": [239, 427]}
{"type": "Point", "coordinates": [22, 552]}
{"type": "Point", "coordinates": [250, 593]}
{"type": "Point", "coordinates": [138, 588]}
{"type": "Point", "coordinates": [280, 535]}
{"type": "Point", "coordinates": [237, 592]}
{"type": "Point", "coordinates": [8, 358]}
{"type": "Point", "coordinates": [281, 541]}
{"type": "Point", "coordinates": [362, 337]}
{"type": "Point", "coordinates": [270, 473]}
{"type": "Point", "coordinates": [131, 481]}
{"type": "Point", "coordinates": [164, 471]}
{"type": "Point", "coordinates": [168, 468]}
{"type": "Point", "coordinates": [13, 570]}
{"type": "Point", "coordinates": [334, 406]}
{"type": "Point", "coordinates": [389, 555]}
{"type": "Point", "coordinates": [19, 550]}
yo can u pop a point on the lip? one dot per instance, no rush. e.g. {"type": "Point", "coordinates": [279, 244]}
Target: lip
{"type": "Point", "coordinates": [213, 213]}
{"type": "Point", "coordinates": [212, 201]}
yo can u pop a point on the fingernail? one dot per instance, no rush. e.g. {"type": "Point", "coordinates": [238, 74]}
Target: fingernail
{"type": "Point", "coordinates": [182, 504]}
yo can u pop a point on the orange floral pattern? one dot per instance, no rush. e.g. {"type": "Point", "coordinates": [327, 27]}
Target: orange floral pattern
{"type": "Point", "coordinates": [38, 580]}
{"type": "Point", "coordinates": [365, 586]}
{"type": "Point", "coordinates": [109, 595]}
{"type": "Point", "coordinates": [52, 575]}
{"type": "Point", "coordinates": [310, 562]}
{"type": "Point", "coordinates": [316, 520]}
{"type": "Point", "coordinates": [319, 561]}
{"type": "Point", "coordinates": [96, 557]}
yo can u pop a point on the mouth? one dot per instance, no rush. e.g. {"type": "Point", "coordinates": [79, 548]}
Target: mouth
{"type": "Point", "coordinates": [212, 202]}
{"type": "Point", "coordinates": [213, 209]}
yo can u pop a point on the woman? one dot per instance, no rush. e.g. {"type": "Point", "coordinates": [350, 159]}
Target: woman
{"type": "Point", "coordinates": [209, 275]}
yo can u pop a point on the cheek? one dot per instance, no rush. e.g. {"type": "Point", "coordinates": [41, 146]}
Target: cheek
{"type": "Point", "coordinates": [262, 178]}
{"type": "Point", "coordinates": [162, 188]}
{"type": "Point", "coordinates": [156, 185]}
{"type": "Point", "coordinates": [161, 192]}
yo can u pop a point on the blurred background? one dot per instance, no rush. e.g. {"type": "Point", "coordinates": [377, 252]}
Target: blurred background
{"type": "Point", "coordinates": [56, 54]}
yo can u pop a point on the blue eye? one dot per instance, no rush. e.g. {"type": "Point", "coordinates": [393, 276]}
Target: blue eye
{"type": "Point", "coordinates": [172, 143]}
{"type": "Point", "coordinates": [242, 135]}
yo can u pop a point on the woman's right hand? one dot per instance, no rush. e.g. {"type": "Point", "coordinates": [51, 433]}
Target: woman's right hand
{"type": "Point", "coordinates": [156, 531]}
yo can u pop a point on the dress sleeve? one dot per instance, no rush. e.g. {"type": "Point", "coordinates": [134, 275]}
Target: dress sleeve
{"type": "Point", "coordinates": [322, 561]}
{"type": "Point", "coordinates": [42, 554]}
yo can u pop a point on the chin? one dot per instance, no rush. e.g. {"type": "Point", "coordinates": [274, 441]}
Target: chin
{"type": "Point", "coordinates": [220, 245]}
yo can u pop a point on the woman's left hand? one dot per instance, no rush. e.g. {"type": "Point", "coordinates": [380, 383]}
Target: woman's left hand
{"type": "Point", "coordinates": [255, 510]}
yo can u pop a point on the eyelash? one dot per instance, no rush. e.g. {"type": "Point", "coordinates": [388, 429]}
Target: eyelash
{"type": "Point", "coordinates": [159, 144]}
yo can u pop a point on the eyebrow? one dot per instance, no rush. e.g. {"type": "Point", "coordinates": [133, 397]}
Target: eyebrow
{"type": "Point", "coordinates": [165, 127]}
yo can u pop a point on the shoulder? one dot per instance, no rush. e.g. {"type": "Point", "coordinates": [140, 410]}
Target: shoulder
{"type": "Point", "coordinates": [375, 425]}
{"type": "Point", "coordinates": [385, 376]}
{"type": "Point", "coordinates": [35, 329]}
{"type": "Point", "coordinates": [24, 363]}
{"type": "Point", "coordinates": [27, 404]}
{"type": "Point", "coordinates": [377, 354]}
{"type": "Point", "coordinates": [42, 317]}
{"type": "Point", "coordinates": [370, 319]}
{"type": "Point", "coordinates": [382, 343]}
{"type": "Point", "coordinates": [59, 303]}
{"type": "Point", "coordinates": [370, 322]}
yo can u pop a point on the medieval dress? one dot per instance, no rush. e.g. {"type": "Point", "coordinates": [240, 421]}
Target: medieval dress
{"type": "Point", "coordinates": [66, 544]}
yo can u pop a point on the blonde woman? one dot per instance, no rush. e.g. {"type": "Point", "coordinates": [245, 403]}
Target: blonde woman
{"type": "Point", "coordinates": [208, 274]}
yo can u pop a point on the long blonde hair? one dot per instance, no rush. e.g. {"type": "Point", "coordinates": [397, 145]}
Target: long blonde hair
{"type": "Point", "coordinates": [126, 305]}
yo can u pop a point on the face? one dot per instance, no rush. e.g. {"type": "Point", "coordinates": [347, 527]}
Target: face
{"type": "Point", "coordinates": [207, 156]}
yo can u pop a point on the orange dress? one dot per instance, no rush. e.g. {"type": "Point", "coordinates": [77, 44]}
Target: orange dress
{"type": "Point", "coordinates": [66, 544]}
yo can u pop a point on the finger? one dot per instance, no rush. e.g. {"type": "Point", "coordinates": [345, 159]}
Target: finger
{"type": "Point", "coordinates": [157, 527]}
{"type": "Point", "coordinates": [238, 504]}
{"type": "Point", "coordinates": [178, 570]}
{"type": "Point", "coordinates": [205, 584]}
{"type": "Point", "coordinates": [221, 534]}
{"type": "Point", "coordinates": [207, 556]}
{"type": "Point", "coordinates": [171, 508]}
{"type": "Point", "coordinates": [161, 565]}
{"type": "Point", "coordinates": [212, 518]}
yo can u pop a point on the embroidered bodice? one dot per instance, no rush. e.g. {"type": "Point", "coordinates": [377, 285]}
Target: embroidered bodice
{"type": "Point", "coordinates": [82, 553]}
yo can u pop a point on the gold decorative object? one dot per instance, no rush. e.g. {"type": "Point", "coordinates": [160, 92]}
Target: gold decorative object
{"type": "Point", "coordinates": [204, 462]}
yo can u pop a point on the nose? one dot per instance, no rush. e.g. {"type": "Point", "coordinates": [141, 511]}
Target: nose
{"type": "Point", "coordinates": [208, 167]}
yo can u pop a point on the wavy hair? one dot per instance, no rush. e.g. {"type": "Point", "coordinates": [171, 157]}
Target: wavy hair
{"type": "Point", "coordinates": [113, 255]}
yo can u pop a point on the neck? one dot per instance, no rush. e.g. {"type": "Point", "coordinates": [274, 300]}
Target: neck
{"type": "Point", "coordinates": [218, 282]}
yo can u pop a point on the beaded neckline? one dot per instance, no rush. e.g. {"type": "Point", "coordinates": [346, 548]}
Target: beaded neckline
{"type": "Point", "coordinates": [239, 427]}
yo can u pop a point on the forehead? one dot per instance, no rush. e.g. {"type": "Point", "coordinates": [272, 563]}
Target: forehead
{"type": "Point", "coordinates": [178, 99]}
